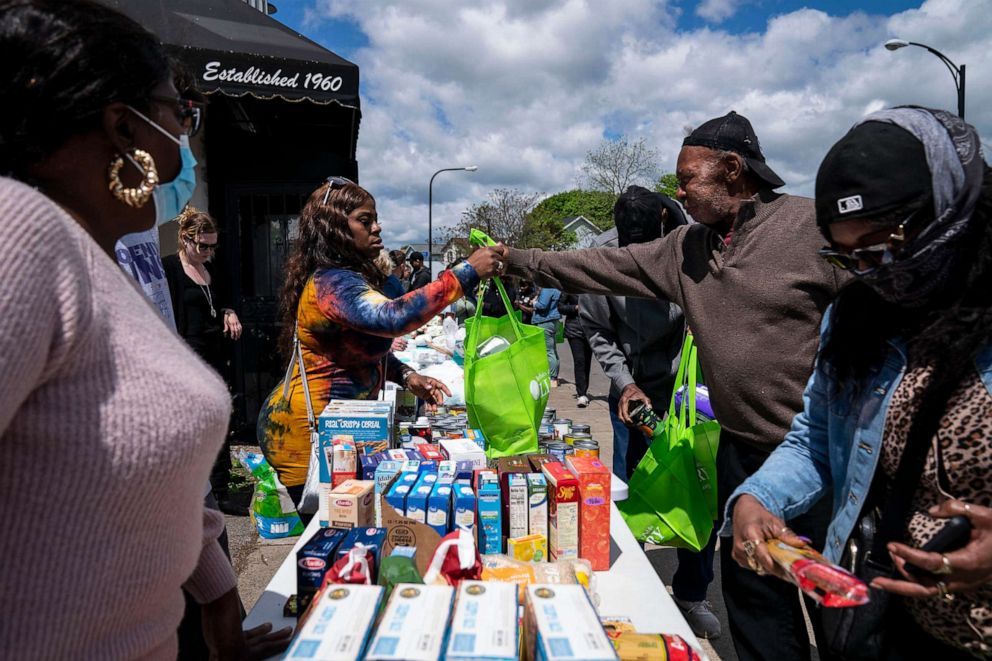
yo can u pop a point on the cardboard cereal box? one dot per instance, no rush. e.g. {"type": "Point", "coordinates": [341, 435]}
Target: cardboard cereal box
{"type": "Point", "coordinates": [594, 510]}
{"type": "Point", "coordinates": [563, 512]}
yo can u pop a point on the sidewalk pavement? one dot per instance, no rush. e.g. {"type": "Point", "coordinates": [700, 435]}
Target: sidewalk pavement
{"type": "Point", "coordinates": [256, 561]}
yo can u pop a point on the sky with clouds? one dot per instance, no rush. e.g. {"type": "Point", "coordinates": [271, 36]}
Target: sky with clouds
{"type": "Point", "coordinates": [525, 88]}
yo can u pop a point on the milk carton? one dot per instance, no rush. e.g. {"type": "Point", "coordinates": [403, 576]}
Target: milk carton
{"type": "Point", "coordinates": [439, 507]}
{"type": "Point", "coordinates": [517, 505]}
{"type": "Point", "coordinates": [463, 506]}
{"type": "Point", "coordinates": [396, 496]}
{"type": "Point", "coordinates": [563, 512]}
{"type": "Point", "coordinates": [562, 624]}
{"type": "Point", "coordinates": [414, 624]}
{"type": "Point", "coordinates": [340, 624]}
{"type": "Point", "coordinates": [416, 500]}
{"type": "Point", "coordinates": [484, 625]}
{"type": "Point", "coordinates": [537, 501]}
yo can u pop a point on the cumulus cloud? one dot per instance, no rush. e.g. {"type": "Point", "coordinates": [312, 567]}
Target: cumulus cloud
{"type": "Point", "coordinates": [717, 10]}
{"type": "Point", "coordinates": [524, 88]}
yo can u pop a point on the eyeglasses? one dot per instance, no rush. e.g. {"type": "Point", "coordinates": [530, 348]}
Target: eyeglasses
{"type": "Point", "coordinates": [875, 255]}
{"type": "Point", "coordinates": [334, 183]}
{"type": "Point", "coordinates": [189, 112]}
{"type": "Point", "coordinates": [203, 247]}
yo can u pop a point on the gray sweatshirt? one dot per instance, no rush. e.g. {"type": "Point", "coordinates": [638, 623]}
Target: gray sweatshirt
{"type": "Point", "coordinates": [754, 305]}
{"type": "Point", "coordinates": [635, 340]}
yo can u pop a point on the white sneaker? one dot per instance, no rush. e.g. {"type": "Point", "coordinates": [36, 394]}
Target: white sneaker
{"type": "Point", "coordinates": [582, 402]}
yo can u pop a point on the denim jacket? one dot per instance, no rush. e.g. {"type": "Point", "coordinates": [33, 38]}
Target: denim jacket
{"type": "Point", "coordinates": [546, 306]}
{"type": "Point", "coordinates": [834, 444]}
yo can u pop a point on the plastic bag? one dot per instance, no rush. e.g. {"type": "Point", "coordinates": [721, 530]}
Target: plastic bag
{"type": "Point", "coordinates": [826, 583]}
{"type": "Point", "coordinates": [272, 510]}
{"type": "Point", "coordinates": [451, 375]}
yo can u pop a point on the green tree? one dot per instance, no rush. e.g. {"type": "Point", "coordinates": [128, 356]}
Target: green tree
{"type": "Point", "coordinates": [668, 184]}
{"type": "Point", "coordinates": [595, 205]}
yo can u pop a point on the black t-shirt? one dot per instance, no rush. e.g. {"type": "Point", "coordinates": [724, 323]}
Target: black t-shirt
{"type": "Point", "coordinates": [201, 330]}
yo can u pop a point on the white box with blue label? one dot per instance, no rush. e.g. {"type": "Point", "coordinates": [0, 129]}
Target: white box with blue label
{"type": "Point", "coordinates": [463, 506]}
{"type": "Point", "coordinates": [339, 625]}
{"type": "Point", "coordinates": [484, 625]}
{"type": "Point", "coordinates": [561, 623]}
{"type": "Point", "coordinates": [439, 507]}
{"type": "Point", "coordinates": [416, 500]}
{"type": "Point", "coordinates": [414, 625]}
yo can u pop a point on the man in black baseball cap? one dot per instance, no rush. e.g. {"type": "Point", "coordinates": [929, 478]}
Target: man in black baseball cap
{"type": "Point", "coordinates": [753, 288]}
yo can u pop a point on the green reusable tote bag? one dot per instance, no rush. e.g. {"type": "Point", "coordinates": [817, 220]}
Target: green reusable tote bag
{"type": "Point", "coordinates": [505, 392]}
{"type": "Point", "coordinates": [669, 492]}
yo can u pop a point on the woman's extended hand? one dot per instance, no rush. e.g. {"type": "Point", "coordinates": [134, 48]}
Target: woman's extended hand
{"type": "Point", "coordinates": [232, 325]}
{"type": "Point", "coordinates": [225, 639]}
{"type": "Point", "coordinates": [965, 569]}
{"type": "Point", "coordinates": [753, 524]}
{"type": "Point", "coordinates": [488, 262]}
{"type": "Point", "coordinates": [428, 389]}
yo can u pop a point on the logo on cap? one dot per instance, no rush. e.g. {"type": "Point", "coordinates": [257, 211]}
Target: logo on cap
{"type": "Point", "coordinates": [850, 204]}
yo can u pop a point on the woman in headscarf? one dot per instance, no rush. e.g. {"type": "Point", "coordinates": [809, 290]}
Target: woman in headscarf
{"type": "Point", "coordinates": [898, 411]}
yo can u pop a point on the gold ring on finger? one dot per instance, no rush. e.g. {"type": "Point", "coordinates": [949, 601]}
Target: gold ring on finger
{"type": "Point", "coordinates": [945, 566]}
{"type": "Point", "coordinates": [943, 593]}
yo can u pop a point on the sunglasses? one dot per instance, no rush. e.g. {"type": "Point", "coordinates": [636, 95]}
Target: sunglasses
{"type": "Point", "coordinates": [334, 183]}
{"type": "Point", "coordinates": [189, 112]}
{"type": "Point", "coordinates": [203, 247]}
{"type": "Point", "coordinates": [875, 255]}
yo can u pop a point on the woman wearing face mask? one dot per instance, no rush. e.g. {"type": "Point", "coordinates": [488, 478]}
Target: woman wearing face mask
{"type": "Point", "coordinates": [333, 301]}
{"type": "Point", "coordinates": [108, 423]}
{"type": "Point", "coordinates": [898, 412]}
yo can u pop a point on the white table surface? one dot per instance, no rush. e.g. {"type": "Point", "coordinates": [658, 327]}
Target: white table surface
{"type": "Point", "coordinates": [631, 588]}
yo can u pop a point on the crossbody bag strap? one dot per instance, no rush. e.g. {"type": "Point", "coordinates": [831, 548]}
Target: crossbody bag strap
{"type": "Point", "coordinates": [311, 421]}
{"type": "Point", "coordinates": [907, 477]}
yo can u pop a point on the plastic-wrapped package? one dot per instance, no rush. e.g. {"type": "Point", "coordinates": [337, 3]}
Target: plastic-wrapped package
{"type": "Point", "coordinates": [501, 567]}
{"type": "Point", "coordinates": [272, 510]}
{"type": "Point", "coordinates": [826, 583]}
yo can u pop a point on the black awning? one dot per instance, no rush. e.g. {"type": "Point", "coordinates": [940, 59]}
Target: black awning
{"type": "Point", "coordinates": [236, 50]}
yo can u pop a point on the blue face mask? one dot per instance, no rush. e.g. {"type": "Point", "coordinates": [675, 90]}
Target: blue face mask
{"type": "Point", "coordinates": [172, 197]}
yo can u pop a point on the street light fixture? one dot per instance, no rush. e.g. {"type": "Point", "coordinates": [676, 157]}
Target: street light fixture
{"type": "Point", "coordinates": [430, 218]}
{"type": "Point", "coordinates": [957, 72]}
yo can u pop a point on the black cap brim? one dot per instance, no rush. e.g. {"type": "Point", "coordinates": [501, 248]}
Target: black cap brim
{"type": "Point", "coordinates": [765, 173]}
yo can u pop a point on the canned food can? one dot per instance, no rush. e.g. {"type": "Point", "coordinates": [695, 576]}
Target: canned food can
{"type": "Point", "coordinates": [579, 428]}
{"type": "Point", "coordinates": [573, 437]}
{"type": "Point", "coordinates": [551, 413]}
{"type": "Point", "coordinates": [562, 426]}
{"type": "Point", "coordinates": [586, 448]}
{"type": "Point", "coordinates": [546, 428]}
{"type": "Point", "coordinates": [560, 451]}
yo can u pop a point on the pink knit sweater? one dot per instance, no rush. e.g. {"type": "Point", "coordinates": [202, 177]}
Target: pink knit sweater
{"type": "Point", "coordinates": [109, 425]}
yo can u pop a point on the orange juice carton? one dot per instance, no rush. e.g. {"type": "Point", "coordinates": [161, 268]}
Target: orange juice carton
{"type": "Point", "coordinates": [516, 505]}
{"type": "Point", "coordinates": [339, 625]}
{"type": "Point", "coordinates": [561, 623]}
{"type": "Point", "coordinates": [530, 548]}
{"type": "Point", "coordinates": [594, 510]}
{"type": "Point", "coordinates": [563, 512]}
{"type": "Point", "coordinates": [414, 624]}
{"type": "Point", "coordinates": [484, 625]}
{"type": "Point", "coordinates": [537, 504]}
{"type": "Point", "coordinates": [351, 504]}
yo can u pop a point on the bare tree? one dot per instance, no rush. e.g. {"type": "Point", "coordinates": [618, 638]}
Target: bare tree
{"type": "Point", "coordinates": [503, 216]}
{"type": "Point", "coordinates": [617, 164]}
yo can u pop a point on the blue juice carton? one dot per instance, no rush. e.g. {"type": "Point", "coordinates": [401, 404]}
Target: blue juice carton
{"type": "Point", "coordinates": [398, 493]}
{"type": "Point", "coordinates": [367, 465]}
{"type": "Point", "coordinates": [439, 507]}
{"type": "Point", "coordinates": [416, 500]}
{"type": "Point", "coordinates": [312, 561]}
{"type": "Point", "coordinates": [463, 506]}
{"type": "Point", "coordinates": [490, 523]}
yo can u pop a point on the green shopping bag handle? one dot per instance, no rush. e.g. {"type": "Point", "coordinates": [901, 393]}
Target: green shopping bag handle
{"type": "Point", "coordinates": [680, 380]}
{"type": "Point", "coordinates": [480, 238]}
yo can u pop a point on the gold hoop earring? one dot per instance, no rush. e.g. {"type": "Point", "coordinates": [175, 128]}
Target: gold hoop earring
{"type": "Point", "coordinates": [134, 197]}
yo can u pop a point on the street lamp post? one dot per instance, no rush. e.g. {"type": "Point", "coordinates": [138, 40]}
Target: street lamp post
{"type": "Point", "coordinates": [430, 205]}
{"type": "Point", "coordinates": [957, 72]}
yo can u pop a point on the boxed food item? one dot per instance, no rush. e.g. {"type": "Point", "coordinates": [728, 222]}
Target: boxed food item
{"type": "Point", "coordinates": [368, 463]}
{"type": "Point", "coordinates": [563, 512]}
{"type": "Point", "coordinates": [538, 460]}
{"type": "Point", "coordinates": [490, 522]}
{"type": "Point", "coordinates": [340, 624]}
{"type": "Point", "coordinates": [325, 470]}
{"type": "Point", "coordinates": [414, 625]}
{"type": "Point", "coordinates": [313, 560]}
{"type": "Point", "coordinates": [484, 625]}
{"type": "Point", "coordinates": [478, 474]}
{"type": "Point", "coordinates": [396, 454]}
{"type": "Point", "coordinates": [439, 507]}
{"type": "Point", "coordinates": [463, 449]}
{"type": "Point", "coordinates": [537, 502]}
{"type": "Point", "coordinates": [369, 423]}
{"type": "Point", "coordinates": [384, 473]}
{"type": "Point", "coordinates": [396, 496]}
{"type": "Point", "coordinates": [345, 460]}
{"type": "Point", "coordinates": [410, 466]}
{"type": "Point", "coordinates": [352, 504]}
{"type": "Point", "coordinates": [463, 506]}
{"type": "Point", "coordinates": [653, 647]}
{"type": "Point", "coordinates": [516, 505]}
{"type": "Point", "coordinates": [477, 436]}
{"type": "Point", "coordinates": [561, 623]}
{"type": "Point", "coordinates": [430, 452]}
{"type": "Point", "coordinates": [530, 548]}
{"type": "Point", "coordinates": [594, 510]}
{"type": "Point", "coordinates": [372, 538]}
{"type": "Point", "coordinates": [416, 500]}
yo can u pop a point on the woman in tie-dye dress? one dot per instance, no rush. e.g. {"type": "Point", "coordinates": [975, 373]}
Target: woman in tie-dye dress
{"type": "Point", "coordinates": [333, 295]}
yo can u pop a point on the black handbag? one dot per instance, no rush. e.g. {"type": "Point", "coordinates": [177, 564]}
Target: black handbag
{"type": "Point", "coordinates": [859, 633]}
